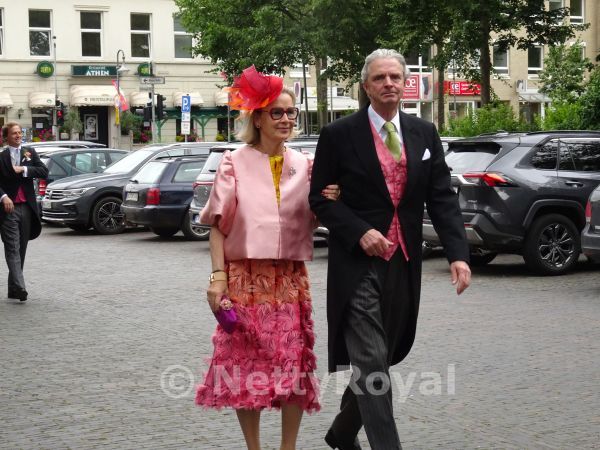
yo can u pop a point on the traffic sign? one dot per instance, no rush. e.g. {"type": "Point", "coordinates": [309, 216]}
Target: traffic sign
{"type": "Point", "coordinates": [152, 80]}
{"type": "Point", "coordinates": [185, 128]}
{"type": "Point", "coordinates": [186, 117]}
{"type": "Point", "coordinates": [186, 104]}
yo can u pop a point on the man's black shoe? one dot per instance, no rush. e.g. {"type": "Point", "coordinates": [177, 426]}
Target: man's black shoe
{"type": "Point", "coordinates": [333, 442]}
{"type": "Point", "coordinates": [20, 294]}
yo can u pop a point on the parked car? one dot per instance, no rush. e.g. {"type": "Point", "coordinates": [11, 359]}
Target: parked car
{"type": "Point", "coordinates": [94, 200]}
{"type": "Point", "coordinates": [203, 184]}
{"type": "Point", "coordinates": [64, 162]}
{"type": "Point", "coordinates": [446, 142]}
{"type": "Point", "coordinates": [159, 195]}
{"type": "Point", "coordinates": [38, 146]}
{"type": "Point", "coordinates": [524, 193]}
{"type": "Point", "coordinates": [590, 236]}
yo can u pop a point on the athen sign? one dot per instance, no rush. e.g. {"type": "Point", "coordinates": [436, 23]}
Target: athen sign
{"type": "Point", "coordinates": [94, 71]}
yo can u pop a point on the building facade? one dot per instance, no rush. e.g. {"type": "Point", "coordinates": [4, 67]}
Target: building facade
{"type": "Point", "coordinates": [78, 51]}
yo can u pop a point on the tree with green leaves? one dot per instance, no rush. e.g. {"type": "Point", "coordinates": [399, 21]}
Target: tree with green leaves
{"type": "Point", "coordinates": [563, 77]}
{"type": "Point", "coordinates": [590, 102]}
{"type": "Point", "coordinates": [271, 34]}
{"type": "Point", "coordinates": [505, 24]}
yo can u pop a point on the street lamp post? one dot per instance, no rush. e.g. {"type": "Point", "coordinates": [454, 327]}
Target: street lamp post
{"type": "Point", "coordinates": [120, 69]}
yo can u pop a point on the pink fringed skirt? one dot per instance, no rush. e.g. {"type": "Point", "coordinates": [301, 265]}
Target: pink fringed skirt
{"type": "Point", "coordinates": [268, 359]}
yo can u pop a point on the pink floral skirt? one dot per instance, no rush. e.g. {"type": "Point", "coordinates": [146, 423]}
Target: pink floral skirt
{"type": "Point", "coordinates": [268, 359]}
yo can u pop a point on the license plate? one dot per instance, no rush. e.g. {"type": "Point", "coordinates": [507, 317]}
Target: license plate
{"type": "Point", "coordinates": [46, 204]}
{"type": "Point", "coordinates": [132, 196]}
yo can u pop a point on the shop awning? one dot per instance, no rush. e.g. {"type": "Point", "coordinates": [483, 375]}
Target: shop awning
{"type": "Point", "coordinates": [93, 95]}
{"type": "Point", "coordinates": [533, 97]}
{"type": "Point", "coordinates": [5, 100]}
{"type": "Point", "coordinates": [221, 98]}
{"type": "Point", "coordinates": [139, 99]}
{"type": "Point", "coordinates": [339, 104]}
{"type": "Point", "coordinates": [41, 99]}
{"type": "Point", "coordinates": [196, 98]}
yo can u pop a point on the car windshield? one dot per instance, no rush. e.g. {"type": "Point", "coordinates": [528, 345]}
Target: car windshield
{"type": "Point", "coordinates": [150, 173]}
{"type": "Point", "coordinates": [471, 158]}
{"type": "Point", "coordinates": [129, 162]}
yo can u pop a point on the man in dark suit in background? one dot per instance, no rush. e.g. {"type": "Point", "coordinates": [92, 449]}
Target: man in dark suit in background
{"type": "Point", "coordinates": [19, 216]}
{"type": "Point", "coordinates": [388, 165]}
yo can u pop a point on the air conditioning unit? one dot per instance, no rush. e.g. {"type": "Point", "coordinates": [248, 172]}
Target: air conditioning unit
{"type": "Point", "coordinates": [521, 85]}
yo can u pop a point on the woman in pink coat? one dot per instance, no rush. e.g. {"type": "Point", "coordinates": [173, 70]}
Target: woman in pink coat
{"type": "Point", "coordinates": [261, 234]}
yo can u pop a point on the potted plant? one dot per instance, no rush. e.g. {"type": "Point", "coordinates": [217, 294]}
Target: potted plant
{"type": "Point", "coordinates": [73, 125]}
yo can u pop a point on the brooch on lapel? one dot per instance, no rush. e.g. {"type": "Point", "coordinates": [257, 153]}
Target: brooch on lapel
{"type": "Point", "coordinates": [292, 171]}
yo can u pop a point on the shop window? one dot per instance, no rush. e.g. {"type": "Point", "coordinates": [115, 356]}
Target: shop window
{"type": "Point", "coordinates": [140, 35]}
{"type": "Point", "coordinates": [183, 40]}
{"type": "Point", "coordinates": [535, 60]}
{"type": "Point", "coordinates": [91, 33]}
{"type": "Point", "coordinates": [577, 11]}
{"type": "Point", "coordinates": [40, 32]}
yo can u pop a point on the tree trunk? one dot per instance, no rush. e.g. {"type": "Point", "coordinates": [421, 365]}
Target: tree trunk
{"type": "Point", "coordinates": [440, 100]}
{"type": "Point", "coordinates": [485, 60]}
{"type": "Point", "coordinates": [322, 97]}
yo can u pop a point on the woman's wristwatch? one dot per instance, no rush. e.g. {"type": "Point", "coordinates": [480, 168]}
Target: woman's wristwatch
{"type": "Point", "coordinates": [218, 275]}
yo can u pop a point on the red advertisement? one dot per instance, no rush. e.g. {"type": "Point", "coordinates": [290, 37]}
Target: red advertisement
{"type": "Point", "coordinates": [412, 88]}
{"type": "Point", "coordinates": [461, 88]}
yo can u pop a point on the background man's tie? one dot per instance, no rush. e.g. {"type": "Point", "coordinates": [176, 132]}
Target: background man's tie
{"type": "Point", "coordinates": [392, 141]}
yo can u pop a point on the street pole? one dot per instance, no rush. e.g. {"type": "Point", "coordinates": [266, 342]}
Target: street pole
{"type": "Point", "coordinates": [153, 128]}
{"type": "Point", "coordinates": [54, 121]}
{"type": "Point", "coordinates": [306, 130]}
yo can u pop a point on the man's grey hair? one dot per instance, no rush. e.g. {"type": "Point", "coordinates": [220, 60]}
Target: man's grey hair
{"type": "Point", "coordinates": [384, 53]}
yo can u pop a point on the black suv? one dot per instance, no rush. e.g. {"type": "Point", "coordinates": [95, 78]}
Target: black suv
{"type": "Point", "coordinates": [94, 200]}
{"type": "Point", "coordinates": [159, 196]}
{"type": "Point", "coordinates": [524, 193]}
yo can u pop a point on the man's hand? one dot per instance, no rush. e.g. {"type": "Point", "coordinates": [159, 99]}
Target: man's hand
{"type": "Point", "coordinates": [19, 169]}
{"type": "Point", "coordinates": [461, 275]}
{"type": "Point", "coordinates": [8, 204]}
{"type": "Point", "coordinates": [374, 243]}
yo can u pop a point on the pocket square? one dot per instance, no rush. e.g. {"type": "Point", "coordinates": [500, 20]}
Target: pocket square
{"type": "Point", "coordinates": [426, 155]}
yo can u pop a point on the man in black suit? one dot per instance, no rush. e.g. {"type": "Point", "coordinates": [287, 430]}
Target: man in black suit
{"type": "Point", "coordinates": [388, 164]}
{"type": "Point", "coordinates": [19, 217]}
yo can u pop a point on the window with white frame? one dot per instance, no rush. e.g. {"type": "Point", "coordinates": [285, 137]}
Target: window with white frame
{"type": "Point", "coordinates": [535, 60]}
{"type": "Point", "coordinates": [296, 71]}
{"type": "Point", "coordinates": [1, 31]}
{"type": "Point", "coordinates": [500, 61]}
{"type": "Point", "coordinates": [183, 40]}
{"type": "Point", "coordinates": [555, 4]}
{"type": "Point", "coordinates": [576, 11]}
{"type": "Point", "coordinates": [140, 35]}
{"type": "Point", "coordinates": [91, 33]}
{"type": "Point", "coordinates": [40, 32]}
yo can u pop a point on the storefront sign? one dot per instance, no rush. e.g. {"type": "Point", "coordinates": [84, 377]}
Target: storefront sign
{"type": "Point", "coordinates": [144, 69]}
{"type": "Point", "coordinates": [412, 88]}
{"type": "Point", "coordinates": [45, 69]}
{"type": "Point", "coordinates": [94, 71]}
{"type": "Point", "coordinates": [461, 88]}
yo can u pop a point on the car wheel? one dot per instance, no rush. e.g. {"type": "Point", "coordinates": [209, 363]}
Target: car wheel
{"type": "Point", "coordinates": [191, 232]}
{"type": "Point", "coordinates": [107, 217]}
{"type": "Point", "coordinates": [480, 259]}
{"type": "Point", "coordinates": [552, 245]}
{"type": "Point", "coordinates": [164, 232]}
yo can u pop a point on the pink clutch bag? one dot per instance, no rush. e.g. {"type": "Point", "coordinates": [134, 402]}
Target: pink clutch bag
{"type": "Point", "coordinates": [226, 315]}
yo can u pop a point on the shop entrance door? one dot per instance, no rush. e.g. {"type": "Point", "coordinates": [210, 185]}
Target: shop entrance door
{"type": "Point", "coordinates": [95, 123]}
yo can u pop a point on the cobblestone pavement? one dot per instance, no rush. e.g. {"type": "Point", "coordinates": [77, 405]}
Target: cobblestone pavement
{"type": "Point", "coordinates": [511, 364]}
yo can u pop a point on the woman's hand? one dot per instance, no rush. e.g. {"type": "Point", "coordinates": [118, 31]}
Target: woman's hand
{"type": "Point", "coordinates": [215, 291]}
{"type": "Point", "coordinates": [331, 192]}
